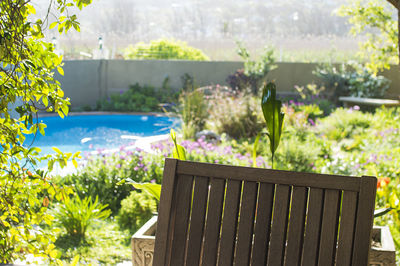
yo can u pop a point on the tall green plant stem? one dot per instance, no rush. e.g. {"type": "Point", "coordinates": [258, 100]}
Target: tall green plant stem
{"type": "Point", "coordinates": [272, 159]}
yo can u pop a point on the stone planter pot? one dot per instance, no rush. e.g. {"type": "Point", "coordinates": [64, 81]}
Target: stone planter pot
{"type": "Point", "coordinates": [143, 244]}
{"type": "Point", "coordinates": [382, 251]}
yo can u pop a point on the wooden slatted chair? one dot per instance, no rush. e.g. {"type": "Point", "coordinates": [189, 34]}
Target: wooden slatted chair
{"type": "Point", "coordinates": [226, 215]}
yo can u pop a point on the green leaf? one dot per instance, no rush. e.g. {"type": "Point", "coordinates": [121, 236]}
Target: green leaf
{"type": "Point", "coordinates": [41, 128]}
{"type": "Point", "coordinates": [56, 150]}
{"type": "Point", "coordinates": [34, 151]}
{"type": "Point", "coordinates": [60, 70]}
{"type": "Point", "coordinates": [178, 152]}
{"type": "Point", "coordinates": [52, 25]}
{"type": "Point", "coordinates": [273, 116]}
{"type": "Point", "coordinates": [150, 188]}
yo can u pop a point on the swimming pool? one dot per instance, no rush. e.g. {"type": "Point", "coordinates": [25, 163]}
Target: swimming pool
{"type": "Point", "coordinates": [93, 132]}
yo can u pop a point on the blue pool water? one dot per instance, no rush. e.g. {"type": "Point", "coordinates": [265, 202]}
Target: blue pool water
{"type": "Point", "coordinates": [92, 132]}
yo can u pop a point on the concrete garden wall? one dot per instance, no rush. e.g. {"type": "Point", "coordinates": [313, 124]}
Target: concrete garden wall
{"type": "Point", "coordinates": [87, 81]}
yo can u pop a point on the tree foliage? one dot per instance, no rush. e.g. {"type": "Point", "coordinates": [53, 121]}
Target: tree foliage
{"type": "Point", "coordinates": [27, 86]}
{"type": "Point", "coordinates": [375, 19]}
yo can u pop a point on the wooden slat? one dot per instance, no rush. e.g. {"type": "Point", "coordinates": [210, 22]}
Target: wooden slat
{"type": "Point", "coordinates": [162, 242]}
{"type": "Point", "coordinates": [229, 224]}
{"type": "Point", "coordinates": [347, 224]}
{"type": "Point", "coordinates": [246, 223]}
{"type": "Point", "coordinates": [327, 249]}
{"type": "Point", "coordinates": [296, 226]}
{"type": "Point", "coordinates": [269, 176]}
{"type": "Point", "coordinates": [213, 222]}
{"type": "Point", "coordinates": [263, 224]}
{"type": "Point", "coordinates": [183, 201]}
{"type": "Point", "coordinates": [279, 225]}
{"type": "Point", "coordinates": [313, 227]}
{"type": "Point", "coordinates": [200, 195]}
{"type": "Point", "coordinates": [365, 213]}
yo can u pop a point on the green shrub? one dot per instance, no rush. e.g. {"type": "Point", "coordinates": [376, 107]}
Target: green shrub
{"type": "Point", "coordinates": [102, 174]}
{"type": "Point", "coordinates": [105, 244]}
{"type": "Point", "coordinates": [254, 73]}
{"type": "Point", "coordinates": [344, 123]}
{"type": "Point", "coordinates": [76, 214]}
{"type": "Point", "coordinates": [194, 112]}
{"type": "Point", "coordinates": [239, 116]}
{"type": "Point", "coordinates": [164, 49]}
{"type": "Point", "coordinates": [352, 80]}
{"type": "Point", "coordinates": [136, 210]}
{"type": "Point", "coordinates": [294, 155]}
{"type": "Point", "coordinates": [139, 99]}
{"type": "Point", "coordinates": [312, 94]}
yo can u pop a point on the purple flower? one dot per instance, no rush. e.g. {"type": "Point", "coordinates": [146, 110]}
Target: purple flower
{"type": "Point", "coordinates": [136, 168]}
{"type": "Point", "coordinates": [311, 121]}
{"type": "Point", "coordinates": [118, 166]}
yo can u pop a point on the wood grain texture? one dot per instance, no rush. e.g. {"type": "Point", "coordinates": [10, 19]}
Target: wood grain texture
{"type": "Point", "coordinates": [327, 245]}
{"type": "Point", "coordinates": [198, 215]}
{"type": "Point", "coordinates": [279, 225]}
{"type": "Point", "coordinates": [229, 224]}
{"type": "Point", "coordinates": [347, 224]}
{"type": "Point", "coordinates": [296, 226]}
{"type": "Point", "coordinates": [263, 224]}
{"type": "Point", "coordinates": [270, 176]}
{"type": "Point", "coordinates": [213, 222]}
{"type": "Point", "coordinates": [162, 244]}
{"type": "Point", "coordinates": [365, 214]}
{"type": "Point", "coordinates": [183, 202]}
{"type": "Point", "coordinates": [246, 224]}
{"type": "Point", "coordinates": [313, 227]}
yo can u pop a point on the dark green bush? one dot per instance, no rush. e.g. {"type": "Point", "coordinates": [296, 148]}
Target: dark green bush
{"type": "Point", "coordinates": [352, 80]}
{"type": "Point", "coordinates": [139, 99]}
{"type": "Point", "coordinates": [136, 210]}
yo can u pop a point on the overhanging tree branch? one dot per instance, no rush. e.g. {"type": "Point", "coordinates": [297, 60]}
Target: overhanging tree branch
{"type": "Point", "coordinates": [396, 4]}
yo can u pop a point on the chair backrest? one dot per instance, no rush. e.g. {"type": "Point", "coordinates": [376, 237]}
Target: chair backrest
{"type": "Point", "coordinates": [227, 215]}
